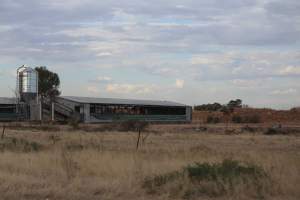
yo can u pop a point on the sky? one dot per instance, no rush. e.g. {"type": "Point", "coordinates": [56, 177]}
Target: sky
{"type": "Point", "coordinates": [191, 51]}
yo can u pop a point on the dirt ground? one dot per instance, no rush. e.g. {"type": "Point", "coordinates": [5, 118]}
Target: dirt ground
{"type": "Point", "coordinates": [89, 163]}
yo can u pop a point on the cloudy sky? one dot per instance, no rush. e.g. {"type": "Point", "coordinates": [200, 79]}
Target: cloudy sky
{"type": "Point", "coordinates": [190, 51]}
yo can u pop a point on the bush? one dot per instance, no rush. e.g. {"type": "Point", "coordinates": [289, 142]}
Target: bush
{"type": "Point", "coordinates": [210, 179]}
{"type": "Point", "coordinates": [208, 107]}
{"type": "Point", "coordinates": [237, 119]}
{"type": "Point", "coordinates": [279, 130]}
{"type": "Point", "coordinates": [252, 119]}
{"type": "Point", "coordinates": [226, 171]}
{"type": "Point", "coordinates": [19, 145]}
{"type": "Point", "coordinates": [133, 125]}
{"type": "Point", "coordinates": [213, 120]}
{"type": "Point", "coordinates": [73, 123]}
{"type": "Point", "coordinates": [246, 119]}
{"type": "Point", "coordinates": [249, 129]}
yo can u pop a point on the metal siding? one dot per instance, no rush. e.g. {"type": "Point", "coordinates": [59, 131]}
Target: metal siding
{"type": "Point", "coordinates": [8, 101]}
{"type": "Point", "coordinates": [114, 101]}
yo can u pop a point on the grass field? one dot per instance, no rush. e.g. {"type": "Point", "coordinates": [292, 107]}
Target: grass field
{"type": "Point", "coordinates": [76, 164]}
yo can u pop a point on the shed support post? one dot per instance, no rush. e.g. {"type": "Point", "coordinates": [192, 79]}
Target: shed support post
{"type": "Point", "coordinates": [53, 111]}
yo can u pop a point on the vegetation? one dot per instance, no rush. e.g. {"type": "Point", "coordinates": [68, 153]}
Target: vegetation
{"type": "Point", "coordinates": [213, 120]}
{"type": "Point", "coordinates": [219, 107]}
{"type": "Point", "coordinates": [216, 179]}
{"type": "Point", "coordinates": [208, 107]}
{"type": "Point", "coordinates": [133, 125]}
{"type": "Point", "coordinates": [49, 83]}
{"type": "Point", "coordinates": [76, 164]}
{"type": "Point", "coordinates": [245, 119]}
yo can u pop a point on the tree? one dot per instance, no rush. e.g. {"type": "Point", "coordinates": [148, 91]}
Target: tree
{"type": "Point", "coordinates": [49, 83]}
{"type": "Point", "coordinates": [208, 107]}
{"type": "Point", "coordinates": [235, 104]}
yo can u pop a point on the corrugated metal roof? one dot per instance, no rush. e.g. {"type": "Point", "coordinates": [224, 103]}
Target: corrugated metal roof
{"type": "Point", "coordinates": [121, 101]}
{"type": "Point", "coordinates": [7, 100]}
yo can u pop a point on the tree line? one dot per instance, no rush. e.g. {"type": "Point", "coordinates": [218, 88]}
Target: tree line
{"type": "Point", "coordinates": [232, 104]}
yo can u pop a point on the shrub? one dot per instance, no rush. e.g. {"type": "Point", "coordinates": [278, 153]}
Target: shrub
{"type": "Point", "coordinates": [249, 129]}
{"type": "Point", "coordinates": [201, 129]}
{"type": "Point", "coordinates": [226, 171]}
{"type": "Point", "coordinates": [74, 121]}
{"type": "Point", "coordinates": [252, 119]}
{"type": "Point", "coordinates": [210, 179]}
{"type": "Point", "coordinates": [74, 147]}
{"type": "Point", "coordinates": [271, 131]}
{"type": "Point", "coordinates": [237, 119]}
{"type": "Point", "coordinates": [133, 125]}
{"type": "Point", "coordinates": [213, 120]}
{"type": "Point", "coordinates": [20, 145]}
{"type": "Point", "coordinates": [160, 180]}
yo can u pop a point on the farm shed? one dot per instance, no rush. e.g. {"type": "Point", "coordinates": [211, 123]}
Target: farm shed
{"type": "Point", "coordinates": [10, 110]}
{"type": "Point", "coordinates": [93, 110]}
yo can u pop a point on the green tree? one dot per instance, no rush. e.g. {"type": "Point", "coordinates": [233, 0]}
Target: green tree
{"type": "Point", "coordinates": [235, 104]}
{"type": "Point", "coordinates": [49, 83]}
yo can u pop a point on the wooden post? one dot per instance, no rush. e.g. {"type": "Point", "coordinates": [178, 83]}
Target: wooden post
{"type": "Point", "coordinates": [138, 141]}
{"type": "Point", "coordinates": [3, 131]}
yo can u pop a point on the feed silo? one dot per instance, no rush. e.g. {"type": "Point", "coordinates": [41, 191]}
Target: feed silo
{"type": "Point", "coordinates": [27, 84]}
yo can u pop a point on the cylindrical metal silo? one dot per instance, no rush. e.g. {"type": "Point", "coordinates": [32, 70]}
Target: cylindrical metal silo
{"type": "Point", "coordinates": [27, 79]}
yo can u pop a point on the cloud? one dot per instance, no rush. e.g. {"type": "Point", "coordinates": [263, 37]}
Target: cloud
{"type": "Point", "coordinates": [225, 43]}
{"type": "Point", "coordinates": [284, 92]}
{"type": "Point", "coordinates": [130, 88]}
{"type": "Point", "coordinates": [93, 90]}
{"type": "Point", "coordinates": [244, 83]}
{"type": "Point", "coordinates": [179, 83]}
{"type": "Point", "coordinates": [212, 59]}
{"type": "Point", "coordinates": [290, 70]}
{"type": "Point", "coordinates": [104, 79]}
{"type": "Point", "coordinates": [103, 54]}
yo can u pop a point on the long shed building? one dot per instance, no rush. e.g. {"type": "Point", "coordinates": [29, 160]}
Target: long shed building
{"type": "Point", "coordinates": [7, 109]}
{"type": "Point", "coordinates": [93, 110]}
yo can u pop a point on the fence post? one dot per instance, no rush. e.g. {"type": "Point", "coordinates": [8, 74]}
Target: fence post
{"type": "Point", "coordinates": [138, 141]}
{"type": "Point", "coordinates": [3, 131]}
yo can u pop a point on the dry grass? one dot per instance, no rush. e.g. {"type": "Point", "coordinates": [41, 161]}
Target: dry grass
{"type": "Point", "coordinates": [106, 165]}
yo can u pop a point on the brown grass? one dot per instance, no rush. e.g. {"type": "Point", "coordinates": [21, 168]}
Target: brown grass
{"type": "Point", "coordinates": [106, 165]}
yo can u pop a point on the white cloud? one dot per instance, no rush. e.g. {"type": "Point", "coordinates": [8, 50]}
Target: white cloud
{"type": "Point", "coordinates": [104, 78]}
{"type": "Point", "coordinates": [4, 28]}
{"type": "Point", "coordinates": [104, 54]}
{"type": "Point", "coordinates": [213, 59]}
{"type": "Point", "coordinates": [242, 83]}
{"type": "Point", "coordinates": [180, 6]}
{"type": "Point", "coordinates": [130, 88]}
{"type": "Point", "coordinates": [290, 70]}
{"type": "Point", "coordinates": [93, 89]}
{"type": "Point", "coordinates": [284, 92]}
{"type": "Point", "coordinates": [179, 83]}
